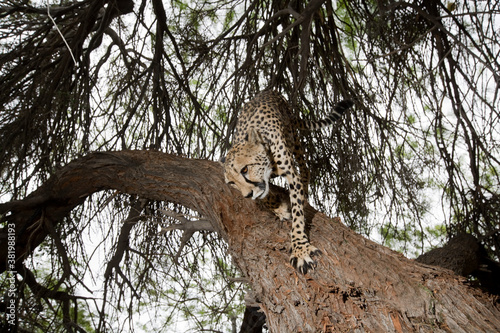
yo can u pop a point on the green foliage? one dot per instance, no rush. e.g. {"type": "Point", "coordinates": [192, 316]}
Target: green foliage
{"type": "Point", "coordinates": [412, 240]}
{"type": "Point", "coordinates": [230, 16]}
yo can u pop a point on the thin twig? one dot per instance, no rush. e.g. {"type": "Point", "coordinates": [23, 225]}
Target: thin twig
{"type": "Point", "coordinates": [60, 33]}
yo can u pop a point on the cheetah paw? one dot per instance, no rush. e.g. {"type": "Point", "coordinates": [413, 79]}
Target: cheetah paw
{"type": "Point", "coordinates": [301, 258]}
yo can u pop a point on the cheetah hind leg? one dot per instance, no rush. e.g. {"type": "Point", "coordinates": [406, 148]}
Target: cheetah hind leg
{"type": "Point", "coordinates": [300, 257]}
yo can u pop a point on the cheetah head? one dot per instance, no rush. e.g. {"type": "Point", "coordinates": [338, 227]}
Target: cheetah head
{"type": "Point", "coordinates": [248, 166]}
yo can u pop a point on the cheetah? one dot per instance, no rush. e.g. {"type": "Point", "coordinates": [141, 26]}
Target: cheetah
{"type": "Point", "coordinates": [265, 145]}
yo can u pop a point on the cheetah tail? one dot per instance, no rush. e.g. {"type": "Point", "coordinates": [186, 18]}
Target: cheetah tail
{"type": "Point", "coordinates": [338, 110]}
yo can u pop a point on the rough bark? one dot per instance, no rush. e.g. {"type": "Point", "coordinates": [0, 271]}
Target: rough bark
{"type": "Point", "coordinates": [358, 285]}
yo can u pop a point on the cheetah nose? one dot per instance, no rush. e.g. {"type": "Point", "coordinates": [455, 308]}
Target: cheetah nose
{"type": "Point", "coordinates": [249, 195]}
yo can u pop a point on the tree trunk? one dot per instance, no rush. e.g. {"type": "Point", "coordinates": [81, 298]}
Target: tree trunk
{"type": "Point", "coordinates": [358, 285]}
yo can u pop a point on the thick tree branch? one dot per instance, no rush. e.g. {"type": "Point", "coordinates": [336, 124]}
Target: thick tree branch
{"type": "Point", "coordinates": [358, 284]}
{"type": "Point", "coordinates": [97, 172]}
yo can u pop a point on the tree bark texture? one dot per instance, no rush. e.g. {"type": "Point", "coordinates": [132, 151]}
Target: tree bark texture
{"type": "Point", "coordinates": [358, 286]}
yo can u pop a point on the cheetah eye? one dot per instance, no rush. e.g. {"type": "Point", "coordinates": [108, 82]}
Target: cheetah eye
{"type": "Point", "coordinates": [244, 170]}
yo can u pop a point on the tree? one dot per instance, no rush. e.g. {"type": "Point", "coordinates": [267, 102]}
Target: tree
{"type": "Point", "coordinates": [358, 284]}
{"type": "Point", "coordinates": [90, 76]}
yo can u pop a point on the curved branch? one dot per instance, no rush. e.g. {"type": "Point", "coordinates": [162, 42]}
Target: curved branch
{"type": "Point", "coordinates": [355, 278]}
{"type": "Point", "coordinates": [40, 290]}
{"type": "Point", "coordinates": [134, 172]}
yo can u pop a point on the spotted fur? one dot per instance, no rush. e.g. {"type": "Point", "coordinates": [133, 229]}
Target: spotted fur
{"type": "Point", "coordinates": [265, 145]}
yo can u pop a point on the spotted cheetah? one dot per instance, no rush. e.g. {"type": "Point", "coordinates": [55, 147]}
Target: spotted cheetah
{"type": "Point", "coordinates": [265, 144]}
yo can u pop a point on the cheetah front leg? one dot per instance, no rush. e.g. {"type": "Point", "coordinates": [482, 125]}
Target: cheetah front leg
{"type": "Point", "coordinates": [302, 250]}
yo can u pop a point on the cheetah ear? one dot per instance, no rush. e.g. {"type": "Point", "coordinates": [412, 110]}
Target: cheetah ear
{"type": "Point", "coordinates": [253, 137]}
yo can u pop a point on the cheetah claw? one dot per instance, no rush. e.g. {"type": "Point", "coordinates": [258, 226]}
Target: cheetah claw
{"type": "Point", "coordinates": [303, 262]}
